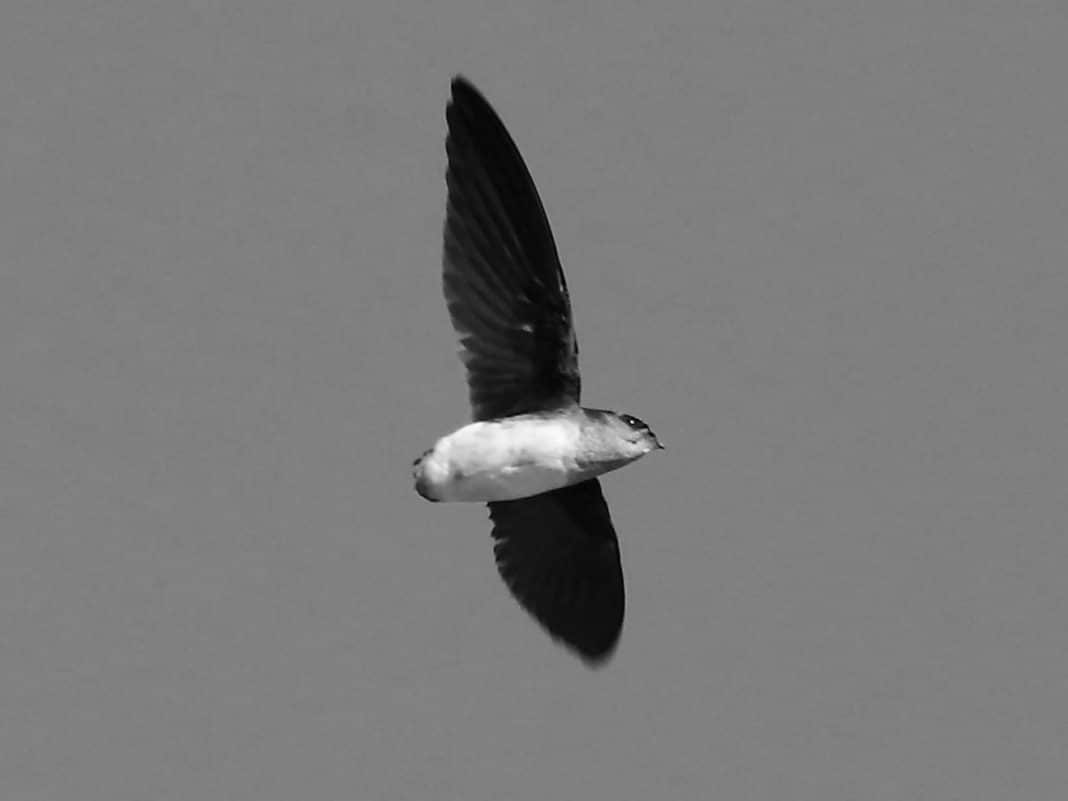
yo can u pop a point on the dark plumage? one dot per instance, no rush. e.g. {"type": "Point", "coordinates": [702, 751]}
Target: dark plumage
{"type": "Point", "coordinates": [533, 453]}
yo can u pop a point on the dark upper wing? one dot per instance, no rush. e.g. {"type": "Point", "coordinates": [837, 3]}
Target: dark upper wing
{"type": "Point", "coordinates": [558, 554]}
{"type": "Point", "coordinates": [506, 291]}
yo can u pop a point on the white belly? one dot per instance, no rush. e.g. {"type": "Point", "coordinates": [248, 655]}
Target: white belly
{"type": "Point", "coordinates": [501, 460]}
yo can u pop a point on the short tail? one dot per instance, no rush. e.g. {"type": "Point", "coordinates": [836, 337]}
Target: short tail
{"type": "Point", "coordinates": [422, 486]}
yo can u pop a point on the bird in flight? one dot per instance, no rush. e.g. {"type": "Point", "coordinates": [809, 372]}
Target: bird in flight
{"type": "Point", "coordinates": [532, 453]}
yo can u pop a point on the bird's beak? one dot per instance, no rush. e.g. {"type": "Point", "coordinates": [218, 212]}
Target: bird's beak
{"type": "Point", "coordinates": [659, 444]}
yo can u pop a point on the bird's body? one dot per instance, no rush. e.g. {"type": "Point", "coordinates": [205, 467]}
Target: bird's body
{"type": "Point", "coordinates": [501, 460]}
{"type": "Point", "coordinates": [532, 453]}
{"type": "Point", "coordinates": [516, 457]}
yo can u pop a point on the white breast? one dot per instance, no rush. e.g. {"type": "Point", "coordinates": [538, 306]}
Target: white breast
{"type": "Point", "coordinates": [502, 460]}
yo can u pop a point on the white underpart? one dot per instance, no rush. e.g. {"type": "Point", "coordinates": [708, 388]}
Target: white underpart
{"type": "Point", "coordinates": [503, 460]}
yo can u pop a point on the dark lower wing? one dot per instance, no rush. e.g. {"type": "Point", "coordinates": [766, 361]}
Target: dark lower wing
{"type": "Point", "coordinates": [559, 555]}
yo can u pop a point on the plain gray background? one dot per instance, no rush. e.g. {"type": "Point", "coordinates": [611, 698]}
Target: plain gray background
{"type": "Point", "coordinates": [821, 247]}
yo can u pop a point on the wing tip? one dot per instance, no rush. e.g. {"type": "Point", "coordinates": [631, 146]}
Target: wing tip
{"type": "Point", "coordinates": [464, 93]}
{"type": "Point", "coordinates": [461, 84]}
{"type": "Point", "coordinates": [594, 656]}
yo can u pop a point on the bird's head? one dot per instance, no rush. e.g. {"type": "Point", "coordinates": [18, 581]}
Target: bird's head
{"type": "Point", "coordinates": [637, 432]}
{"type": "Point", "coordinates": [636, 435]}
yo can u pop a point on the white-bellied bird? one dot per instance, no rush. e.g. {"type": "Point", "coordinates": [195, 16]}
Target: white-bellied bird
{"type": "Point", "coordinates": [532, 453]}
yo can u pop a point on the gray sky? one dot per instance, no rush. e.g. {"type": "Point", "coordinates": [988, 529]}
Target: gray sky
{"type": "Point", "coordinates": [820, 247]}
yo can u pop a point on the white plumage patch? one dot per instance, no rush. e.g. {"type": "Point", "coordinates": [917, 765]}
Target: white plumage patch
{"type": "Point", "coordinates": [502, 460]}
